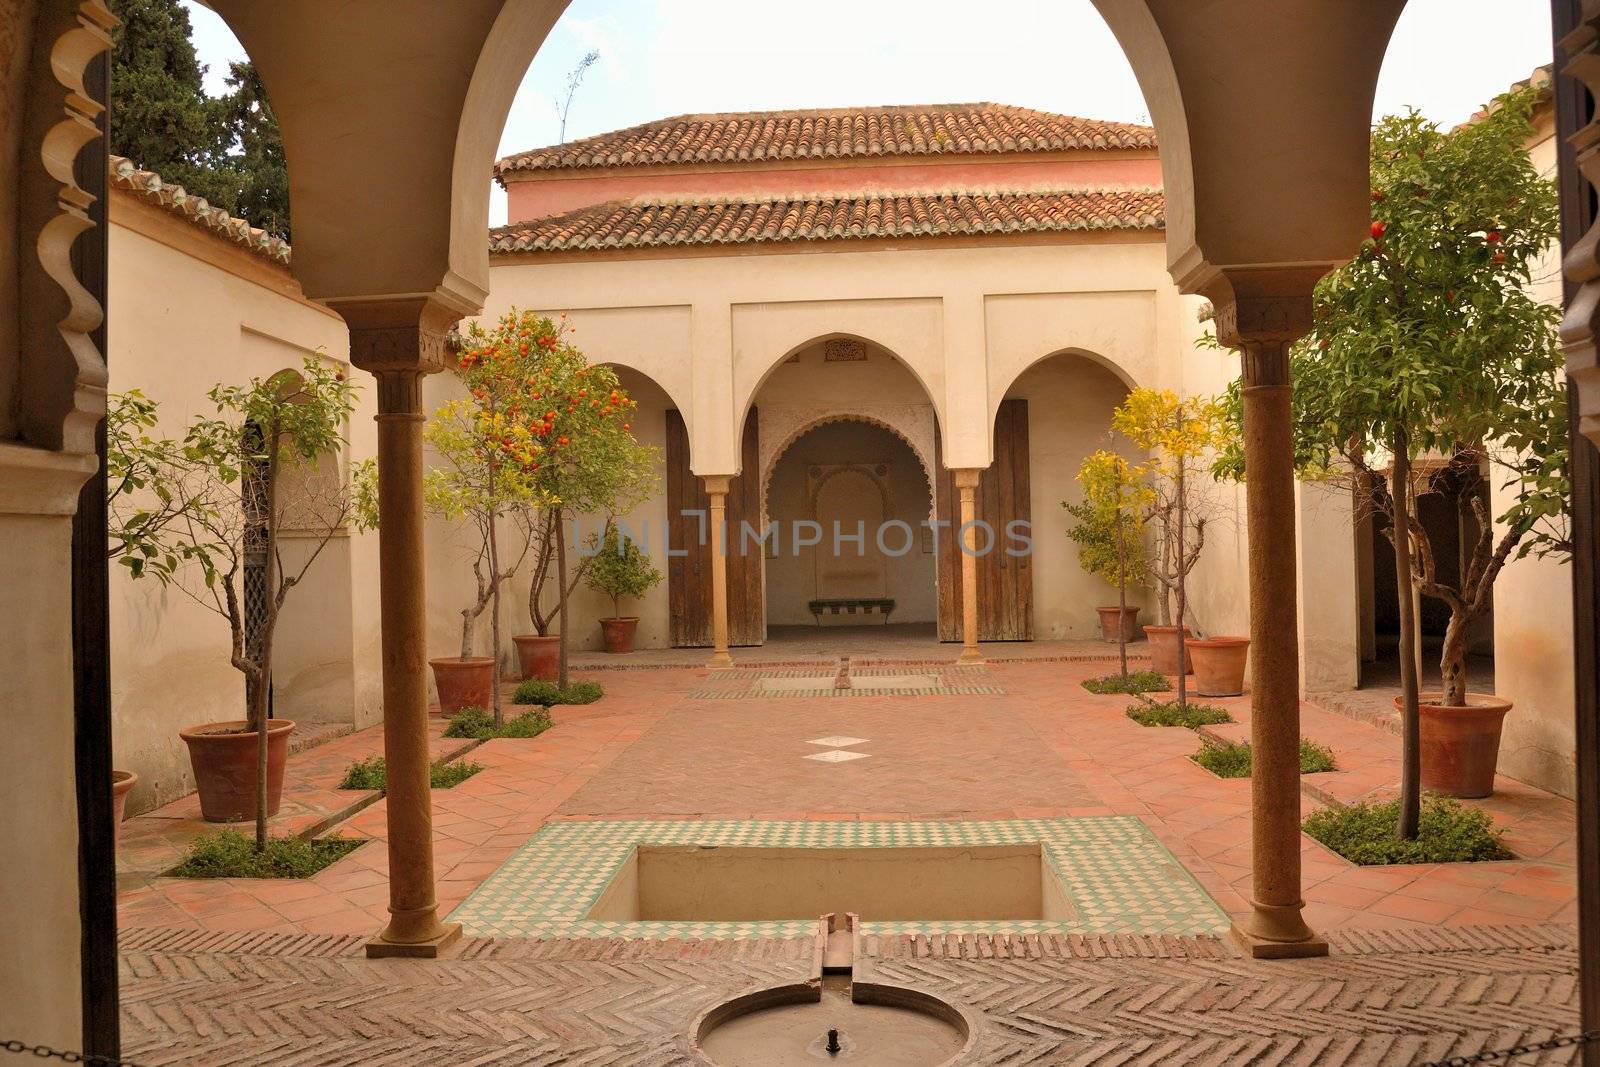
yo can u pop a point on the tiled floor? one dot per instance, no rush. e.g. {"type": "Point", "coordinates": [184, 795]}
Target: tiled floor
{"type": "Point", "coordinates": [1042, 749]}
{"type": "Point", "coordinates": [1117, 878]}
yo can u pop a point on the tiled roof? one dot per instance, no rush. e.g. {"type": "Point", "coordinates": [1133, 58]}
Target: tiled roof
{"type": "Point", "coordinates": [150, 187]}
{"type": "Point", "coordinates": [1541, 81]}
{"type": "Point", "coordinates": [680, 223]}
{"type": "Point", "coordinates": [753, 136]}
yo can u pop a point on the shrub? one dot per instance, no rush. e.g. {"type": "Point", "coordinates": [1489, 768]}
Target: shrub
{"type": "Point", "coordinates": [1136, 682]}
{"type": "Point", "coordinates": [539, 691]}
{"type": "Point", "coordinates": [1231, 759]}
{"type": "Point", "coordinates": [1315, 758]}
{"type": "Point", "coordinates": [230, 854]}
{"type": "Point", "coordinates": [1447, 833]}
{"type": "Point", "coordinates": [374, 774]}
{"type": "Point", "coordinates": [1171, 713]}
{"type": "Point", "coordinates": [479, 724]}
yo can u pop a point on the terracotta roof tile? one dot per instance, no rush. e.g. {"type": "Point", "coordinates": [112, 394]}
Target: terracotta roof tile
{"type": "Point", "coordinates": [646, 223]}
{"type": "Point", "coordinates": [152, 188]}
{"type": "Point", "coordinates": [916, 130]}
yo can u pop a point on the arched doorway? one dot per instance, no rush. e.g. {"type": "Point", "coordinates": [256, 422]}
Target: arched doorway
{"type": "Point", "coordinates": [850, 500]}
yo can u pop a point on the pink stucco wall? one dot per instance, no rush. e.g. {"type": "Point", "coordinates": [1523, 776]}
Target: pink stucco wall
{"type": "Point", "coordinates": [542, 197]}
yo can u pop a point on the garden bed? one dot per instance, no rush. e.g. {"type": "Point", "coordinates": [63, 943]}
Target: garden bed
{"type": "Point", "coordinates": [230, 854]}
{"type": "Point", "coordinates": [1448, 832]}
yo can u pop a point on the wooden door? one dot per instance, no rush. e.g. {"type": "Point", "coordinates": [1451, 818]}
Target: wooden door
{"type": "Point", "coordinates": [689, 538]}
{"type": "Point", "coordinates": [1005, 582]}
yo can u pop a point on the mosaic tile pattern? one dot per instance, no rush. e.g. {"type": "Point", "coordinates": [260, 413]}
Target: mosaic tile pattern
{"type": "Point", "coordinates": [1120, 878]}
{"type": "Point", "coordinates": [937, 680]}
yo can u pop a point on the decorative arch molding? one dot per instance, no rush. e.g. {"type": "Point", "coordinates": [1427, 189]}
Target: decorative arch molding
{"type": "Point", "coordinates": [779, 428]}
{"type": "Point", "coordinates": [61, 380]}
{"type": "Point", "coordinates": [1110, 366]}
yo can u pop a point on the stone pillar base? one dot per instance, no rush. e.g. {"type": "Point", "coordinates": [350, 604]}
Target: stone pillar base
{"type": "Point", "coordinates": [380, 949]}
{"type": "Point", "coordinates": [1260, 948]}
{"type": "Point", "coordinates": [970, 655]}
{"type": "Point", "coordinates": [719, 661]}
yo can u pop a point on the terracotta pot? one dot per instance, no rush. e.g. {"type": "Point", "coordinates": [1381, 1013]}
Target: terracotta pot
{"type": "Point", "coordinates": [462, 683]}
{"type": "Point", "coordinates": [1218, 665]}
{"type": "Point", "coordinates": [1460, 746]}
{"type": "Point", "coordinates": [1108, 624]}
{"type": "Point", "coordinates": [1165, 652]}
{"type": "Point", "coordinates": [122, 782]}
{"type": "Point", "coordinates": [540, 657]}
{"type": "Point", "coordinates": [619, 633]}
{"type": "Point", "coordinates": [223, 755]}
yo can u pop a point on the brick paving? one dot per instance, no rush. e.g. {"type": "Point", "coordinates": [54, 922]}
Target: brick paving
{"type": "Point", "coordinates": [1382, 998]}
{"type": "Point", "coordinates": [1043, 749]}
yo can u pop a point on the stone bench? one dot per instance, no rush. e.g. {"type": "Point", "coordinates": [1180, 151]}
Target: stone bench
{"type": "Point", "coordinates": [844, 608]}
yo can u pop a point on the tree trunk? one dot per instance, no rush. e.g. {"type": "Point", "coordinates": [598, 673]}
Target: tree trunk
{"type": "Point", "coordinates": [1411, 741]}
{"type": "Point", "coordinates": [494, 619]}
{"type": "Point", "coordinates": [1183, 649]}
{"type": "Point", "coordinates": [561, 587]}
{"type": "Point", "coordinates": [1122, 594]}
{"type": "Point", "coordinates": [1453, 660]}
{"type": "Point", "coordinates": [258, 712]}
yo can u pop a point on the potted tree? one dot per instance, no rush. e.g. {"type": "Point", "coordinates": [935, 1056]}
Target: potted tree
{"type": "Point", "coordinates": [585, 460]}
{"type": "Point", "coordinates": [1436, 307]}
{"type": "Point", "coordinates": [1109, 533]}
{"type": "Point", "coordinates": [485, 445]}
{"type": "Point", "coordinates": [620, 569]}
{"type": "Point", "coordinates": [1181, 434]}
{"type": "Point", "coordinates": [261, 458]}
{"type": "Point", "coordinates": [152, 488]}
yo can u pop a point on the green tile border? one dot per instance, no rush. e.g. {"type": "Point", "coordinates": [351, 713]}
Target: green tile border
{"type": "Point", "coordinates": [1120, 877]}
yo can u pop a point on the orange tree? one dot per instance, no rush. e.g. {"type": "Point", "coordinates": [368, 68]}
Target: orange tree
{"type": "Point", "coordinates": [488, 446]}
{"type": "Point", "coordinates": [580, 456]}
{"type": "Point", "coordinates": [1429, 345]}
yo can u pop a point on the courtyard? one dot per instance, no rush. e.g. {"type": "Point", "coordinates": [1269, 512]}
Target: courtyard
{"type": "Point", "coordinates": [1152, 851]}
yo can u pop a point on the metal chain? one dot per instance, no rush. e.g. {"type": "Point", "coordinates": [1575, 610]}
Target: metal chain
{"type": "Point", "coordinates": [45, 1052]}
{"type": "Point", "coordinates": [1565, 1041]}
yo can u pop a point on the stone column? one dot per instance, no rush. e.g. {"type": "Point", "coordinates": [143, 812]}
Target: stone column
{"type": "Point", "coordinates": [1262, 313]}
{"type": "Point", "coordinates": [400, 342]}
{"type": "Point", "coordinates": [717, 490]}
{"type": "Point", "coordinates": [966, 479]}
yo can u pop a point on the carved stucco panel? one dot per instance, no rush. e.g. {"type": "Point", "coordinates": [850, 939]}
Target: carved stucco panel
{"type": "Point", "coordinates": [780, 427]}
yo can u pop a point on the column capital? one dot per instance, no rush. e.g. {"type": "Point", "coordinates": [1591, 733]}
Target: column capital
{"type": "Point", "coordinates": [406, 333]}
{"type": "Point", "coordinates": [717, 484]}
{"type": "Point", "coordinates": [967, 477]}
{"type": "Point", "coordinates": [1262, 311]}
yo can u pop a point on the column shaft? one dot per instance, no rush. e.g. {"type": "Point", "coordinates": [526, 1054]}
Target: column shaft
{"type": "Point", "coordinates": [413, 911]}
{"type": "Point", "coordinates": [967, 484]}
{"type": "Point", "coordinates": [717, 490]}
{"type": "Point", "coordinates": [1276, 904]}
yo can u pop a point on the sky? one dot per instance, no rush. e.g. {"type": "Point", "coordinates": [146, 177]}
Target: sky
{"type": "Point", "coordinates": [1446, 59]}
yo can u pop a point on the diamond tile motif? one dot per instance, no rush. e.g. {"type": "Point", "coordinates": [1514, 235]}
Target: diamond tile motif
{"type": "Point", "coordinates": [837, 741]}
{"type": "Point", "coordinates": [838, 755]}
{"type": "Point", "coordinates": [1119, 878]}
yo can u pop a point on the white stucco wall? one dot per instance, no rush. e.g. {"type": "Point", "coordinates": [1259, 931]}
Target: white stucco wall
{"type": "Point", "coordinates": [181, 322]}
{"type": "Point", "coordinates": [1533, 641]}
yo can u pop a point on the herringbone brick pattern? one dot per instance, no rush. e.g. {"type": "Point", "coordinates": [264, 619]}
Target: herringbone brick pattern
{"type": "Point", "coordinates": [1384, 998]}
